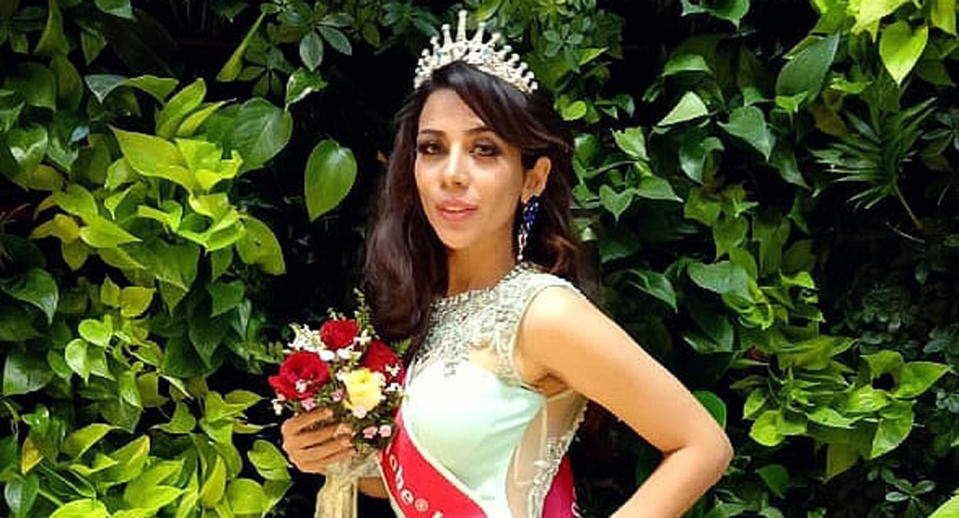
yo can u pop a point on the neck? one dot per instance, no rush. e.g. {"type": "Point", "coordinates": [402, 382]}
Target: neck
{"type": "Point", "coordinates": [468, 271]}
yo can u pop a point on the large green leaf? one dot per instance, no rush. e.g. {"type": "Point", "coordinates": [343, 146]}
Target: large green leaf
{"type": "Point", "coordinates": [259, 246]}
{"type": "Point", "coordinates": [103, 84]}
{"type": "Point", "coordinates": [632, 142]}
{"type": "Point", "coordinates": [214, 485]}
{"type": "Point", "coordinates": [84, 508]}
{"type": "Point", "coordinates": [732, 10]}
{"type": "Point", "coordinates": [35, 83]}
{"type": "Point", "coordinates": [268, 461]}
{"type": "Point", "coordinates": [656, 188]}
{"type": "Point", "coordinates": [723, 278]}
{"type": "Point", "coordinates": [689, 107]}
{"type": "Point", "coordinates": [37, 287]}
{"type": "Point", "coordinates": [807, 69]}
{"type": "Point", "coordinates": [654, 284]}
{"type": "Point", "coordinates": [53, 41]}
{"type": "Point", "coordinates": [771, 427]}
{"type": "Point", "coordinates": [103, 233]}
{"type": "Point", "coordinates": [915, 378]}
{"type": "Point", "coordinates": [900, 48]}
{"type": "Point", "coordinates": [28, 147]}
{"type": "Point", "coordinates": [872, 11]}
{"type": "Point", "coordinates": [749, 124]}
{"type": "Point", "coordinates": [260, 130]}
{"type": "Point", "coordinates": [329, 176]}
{"type": "Point", "coordinates": [25, 372]}
{"type": "Point", "coordinates": [233, 65]}
{"type": "Point", "coordinates": [178, 107]}
{"type": "Point", "coordinates": [20, 494]}
{"type": "Point", "coordinates": [81, 440]}
{"type": "Point", "coordinates": [950, 509]}
{"type": "Point", "coordinates": [942, 14]}
{"type": "Point", "coordinates": [615, 202]}
{"type": "Point", "coordinates": [155, 157]}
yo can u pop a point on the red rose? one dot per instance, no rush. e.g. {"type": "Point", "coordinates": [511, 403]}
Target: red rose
{"type": "Point", "coordinates": [301, 376]}
{"type": "Point", "coordinates": [378, 357]}
{"type": "Point", "coordinates": [337, 334]}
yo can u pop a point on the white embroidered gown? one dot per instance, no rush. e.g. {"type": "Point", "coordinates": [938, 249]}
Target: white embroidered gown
{"type": "Point", "coordinates": [498, 439]}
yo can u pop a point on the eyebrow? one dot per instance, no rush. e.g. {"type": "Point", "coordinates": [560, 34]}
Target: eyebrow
{"type": "Point", "coordinates": [471, 131]}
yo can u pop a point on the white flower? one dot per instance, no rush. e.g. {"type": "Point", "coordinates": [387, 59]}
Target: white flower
{"type": "Point", "coordinates": [345, 353]}
{"type": "Point", "coordinates": [327, 355]}
{"type": "Point", "coordinates": [359, 412]}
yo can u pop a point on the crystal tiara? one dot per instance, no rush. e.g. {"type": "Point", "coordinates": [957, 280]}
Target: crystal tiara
{"type": "Point", "coordinates": [476, 52]}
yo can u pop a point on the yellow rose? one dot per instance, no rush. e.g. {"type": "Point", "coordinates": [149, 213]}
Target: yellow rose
{"type": "Point", "coordinates": [363, 390]}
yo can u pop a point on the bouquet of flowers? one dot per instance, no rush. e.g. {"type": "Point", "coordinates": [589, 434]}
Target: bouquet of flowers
{"type": "Point", "coordinates": [345, 367]}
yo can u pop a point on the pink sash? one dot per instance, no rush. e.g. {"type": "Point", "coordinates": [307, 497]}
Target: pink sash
{"type": "Point", "coordinates": [418, 489]}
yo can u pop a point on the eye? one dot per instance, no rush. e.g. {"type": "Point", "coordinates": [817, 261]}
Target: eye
{"type": "Point", "coordinates": [486, 149]}
{"type": "Point", "coordinates": [427, 148]}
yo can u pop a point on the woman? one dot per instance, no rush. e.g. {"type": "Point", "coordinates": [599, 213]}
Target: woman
{"type": "Point", "coordinates": [507, 350]}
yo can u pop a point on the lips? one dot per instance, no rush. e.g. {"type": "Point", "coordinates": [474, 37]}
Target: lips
{"type": "Point", "coordinates": [453, 210]}
{"type": "Point", "coordinates": [455, 206]}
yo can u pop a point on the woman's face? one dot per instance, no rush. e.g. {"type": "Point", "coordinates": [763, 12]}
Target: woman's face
{"type": "Point", "coordinates": [469, 179]}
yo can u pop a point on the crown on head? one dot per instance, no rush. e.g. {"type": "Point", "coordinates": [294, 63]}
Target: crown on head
{"type": "Point", "coordinates": [476, 52]}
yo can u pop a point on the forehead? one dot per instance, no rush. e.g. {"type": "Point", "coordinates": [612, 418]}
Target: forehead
{"type": "Point", "coordinates": [444, 110]}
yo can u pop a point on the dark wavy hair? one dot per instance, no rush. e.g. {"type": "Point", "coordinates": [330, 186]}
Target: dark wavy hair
{"type": "Point", "coordinates": [405, 264]}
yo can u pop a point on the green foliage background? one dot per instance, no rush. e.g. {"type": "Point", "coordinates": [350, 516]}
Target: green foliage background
{"type": "Point", "coordinates": [768, 187]}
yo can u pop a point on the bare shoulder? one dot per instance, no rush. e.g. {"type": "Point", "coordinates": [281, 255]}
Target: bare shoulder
{"type": "Point", "coordinates": [557, 311]}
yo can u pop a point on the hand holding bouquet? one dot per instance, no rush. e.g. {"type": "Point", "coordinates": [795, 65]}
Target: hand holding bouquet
{"type": "Point", "coordinates": [347, 369]}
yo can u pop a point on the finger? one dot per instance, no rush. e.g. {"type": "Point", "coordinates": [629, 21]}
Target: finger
{"type": "Point", "coordinates": [315, 460]}
{"type": "Point", "coordinates": [321, 464]}
{"type": "Point", "coordinates": [325, 450]}
{"type": "Point", "coordinates": [321, 435]}
{"type": "Point", "coordinates": [298, 423]}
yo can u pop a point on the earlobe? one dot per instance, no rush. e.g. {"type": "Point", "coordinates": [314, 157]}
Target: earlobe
{"type": "Point", "coordinates": [536, 177]}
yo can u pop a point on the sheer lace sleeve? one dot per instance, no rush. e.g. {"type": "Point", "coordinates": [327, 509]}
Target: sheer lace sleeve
{"type": "Point", "coordinates": [537, 457]}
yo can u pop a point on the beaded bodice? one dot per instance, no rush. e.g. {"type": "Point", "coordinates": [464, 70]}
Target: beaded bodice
{"type": "Point", "coordinates": [496, 434]}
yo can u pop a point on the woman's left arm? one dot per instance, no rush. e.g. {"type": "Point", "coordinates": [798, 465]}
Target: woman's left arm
{"type": "Point", "coordinates": [564, 334]}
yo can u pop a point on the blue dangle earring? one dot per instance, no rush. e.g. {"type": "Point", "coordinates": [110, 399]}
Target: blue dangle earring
{"type": "Point", "coordinates": [529, 215]}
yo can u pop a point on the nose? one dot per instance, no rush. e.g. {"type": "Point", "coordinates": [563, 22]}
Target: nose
{"type": "Point", "coordinates": [454, 170]}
